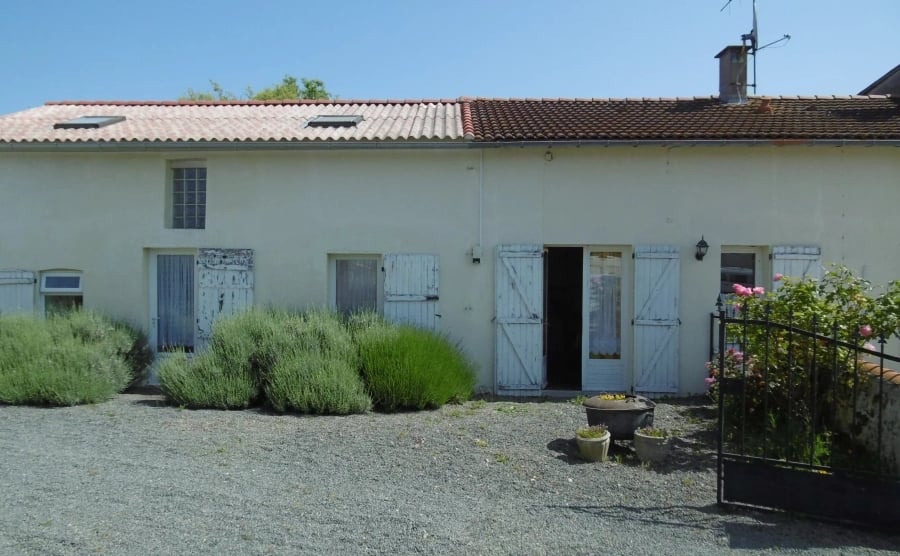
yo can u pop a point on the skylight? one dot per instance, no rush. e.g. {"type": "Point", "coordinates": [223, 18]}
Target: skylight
{"type": "Point", "coordinates": [89, 122]}
{"type": "Point", "coordinates": [334, 121]}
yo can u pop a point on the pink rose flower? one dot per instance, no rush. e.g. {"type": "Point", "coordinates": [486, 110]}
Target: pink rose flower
{"type": "Point", "coordinates": [742, 291]}
{"type": "Point", "coordinates": [778, 276]}
{"type": "Point", "coordinates": [759, 290]}
{"type": "Point", "coordinates": [709, 381]}
{"type": "Point", "coordinates": [869, 346]}
{"type": "Point", "coordinates": [738, 356]}
{"type": "Point", "coordinates": [865, 331]}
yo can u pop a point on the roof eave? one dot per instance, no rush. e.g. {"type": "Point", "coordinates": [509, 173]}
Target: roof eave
{"type": "Point", "coordinates": [825, 142]}
{"type": "Point", "coordinates": [156, 146]}
{"type": "Point", "coordinates": [131, 146]}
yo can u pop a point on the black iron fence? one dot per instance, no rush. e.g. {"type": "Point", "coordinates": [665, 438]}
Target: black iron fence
{"type": "Point", "coordinates": [808, 421]}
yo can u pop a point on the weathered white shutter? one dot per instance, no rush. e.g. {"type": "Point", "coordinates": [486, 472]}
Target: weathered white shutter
{"type": "Point", "coordinates": [16, 291]}
{"type": "Point", "coordinates": [225, 287]}
{"type": "Point", "coordinates": [656, 322]}
{"type": "Point", "coordinates": [520, 316]}
{"type": "Point", "coordinates": [796, 261]}
{"type": "Point", "coordinates": [411, 283]}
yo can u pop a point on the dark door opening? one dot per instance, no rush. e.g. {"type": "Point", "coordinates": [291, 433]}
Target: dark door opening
{"type": "Point", "coordinates": [563, 299]}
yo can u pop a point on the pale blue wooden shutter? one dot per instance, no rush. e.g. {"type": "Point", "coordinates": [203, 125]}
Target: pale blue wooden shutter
{"type": "Point", "coordinates": [16, 291]}
{"type": "Point", "coordinates": [656, 318]}
{"type": "Point", "coordinates": [226, 287]}
{"type": "Point", "coordinates": [411, 285]}
{"type": "Point", "coordinates": [796, 261]}
{"type": "Point", "coordinates": [520, 317]}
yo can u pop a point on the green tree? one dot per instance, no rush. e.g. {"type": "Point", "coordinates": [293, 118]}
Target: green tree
{"type": "Point", "coordinates": [218, 93]}
{"type": "Point", "coordinates": [288, 89]}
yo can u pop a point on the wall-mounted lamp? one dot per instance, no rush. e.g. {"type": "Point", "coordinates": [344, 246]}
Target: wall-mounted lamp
{"type": "Point", "coordinates": [702, 248]}
{"type": "Point", "coordinates": [548, 156]}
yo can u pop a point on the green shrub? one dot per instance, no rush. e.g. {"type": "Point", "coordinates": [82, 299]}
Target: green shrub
{"type": "Point", "coordinates": [74, 358]}
{"type": "Point", "coordinates": [311, 382]}
{"type": "Point", "coordinates": [409, 368]}
{"type": "Point", "coordinates": [324, 332]}
{"type": "Point", "coordinates": [249, 342]}
{"type": "Point", "coordinates": [118, 338]}
{"type": "Point", "coordinates": [359, 323]}
{"type": "Point", "coordinates": [201, 382]}
{"type": "Point", "coordinates": [254, 342]}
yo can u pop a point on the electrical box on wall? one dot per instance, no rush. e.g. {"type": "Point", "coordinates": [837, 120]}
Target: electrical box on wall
{"type": "Point", "coordinates": [476, 254]}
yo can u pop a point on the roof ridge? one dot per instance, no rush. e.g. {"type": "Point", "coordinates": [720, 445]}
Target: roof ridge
{"type": "Point", "coordinates": [452, 101]}
{"type": "Point", "coordinates": [248, 102]}
{"type": "Point", "coordinates": [671, 99]}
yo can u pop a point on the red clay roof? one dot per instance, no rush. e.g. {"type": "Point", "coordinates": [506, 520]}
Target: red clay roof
{"type": "Point", "coordinates": [762, 118]}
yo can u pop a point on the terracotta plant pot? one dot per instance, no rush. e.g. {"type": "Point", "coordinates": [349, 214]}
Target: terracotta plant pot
{"type": "Point", "coordinates": [651, 449]}
{"type": "Point", "coordinates": [594, 449]}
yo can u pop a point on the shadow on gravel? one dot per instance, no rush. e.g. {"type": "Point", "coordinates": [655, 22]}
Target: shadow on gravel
{"type": "Point", "coordinates": [768, 530]}
{"type": "Point", "coordinates": [688, 517]}
{"type": "Point", "coordinates": [783, 532]}
{"type": "Point", "coordinates": [567, 451]}
{"type": "Point", "coordinates": [152, 402]}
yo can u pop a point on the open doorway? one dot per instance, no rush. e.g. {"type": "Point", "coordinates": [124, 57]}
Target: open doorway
{"type": "Point", "coordinates": [563, 316]}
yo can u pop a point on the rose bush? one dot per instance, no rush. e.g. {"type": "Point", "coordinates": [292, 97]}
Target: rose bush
{"type": "Point", "coordinates": [790, 369]}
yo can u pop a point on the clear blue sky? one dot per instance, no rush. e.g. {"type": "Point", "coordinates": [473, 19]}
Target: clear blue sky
{"type": "Point", "coordinates": [157, 49]}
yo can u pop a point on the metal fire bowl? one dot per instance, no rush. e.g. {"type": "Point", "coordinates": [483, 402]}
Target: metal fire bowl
{"type": "Point", "coordinates": [622, 417]}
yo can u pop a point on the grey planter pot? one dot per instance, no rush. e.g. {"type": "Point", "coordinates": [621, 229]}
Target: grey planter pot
{"type": "Point", "coordinates": [651, 449]}
{"type": "Point", "coordinates": [594, 449]}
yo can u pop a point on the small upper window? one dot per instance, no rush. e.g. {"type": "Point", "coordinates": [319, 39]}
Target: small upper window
{"type": "Point", "coordinates": [334, 121]}
{"type": "Point", "coordinates": [89, 122]}
{"type": "Point", "coordinates": [61, 282]}
{"type": "Point", "coordinates": [61, 291]}
{"type": "Point", "coordinates": [189, 197]}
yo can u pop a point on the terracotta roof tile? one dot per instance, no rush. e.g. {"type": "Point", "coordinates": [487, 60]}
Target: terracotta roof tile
{"type": "Point", "coordinates": [784, 120]}
{"type": "Point", "coordinates": [699, 118]}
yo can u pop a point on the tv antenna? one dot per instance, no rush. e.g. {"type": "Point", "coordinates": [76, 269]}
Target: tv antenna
{"type": "Point", "coordinates": [751, 40]}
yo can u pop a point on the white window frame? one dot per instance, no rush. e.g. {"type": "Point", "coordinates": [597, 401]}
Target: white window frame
{"type": "Point", "coordinates": [169, 212]}
{"type": "Point", "coordinates": [60, 274]}
{"type": "Point", "coordinates": [45, 291]}
{"type": "Point", "coordinates": [332, 277]}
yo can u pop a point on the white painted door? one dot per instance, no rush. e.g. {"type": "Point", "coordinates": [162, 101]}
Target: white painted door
{"type": "Point", "coordinates": [656, 318]}
{"type": "Point", "coordinates": [797, 261]}
{"type": "Point", "coordinates": [411, 285]}
{"type": "Point", "coordinates": [16, 291]}
{"type": "Point", "coordinates": [225, 277]}
{"type": "Point", "coordinates": [604, 337]}
{"type": "Point", "coordinates": [520, 317]}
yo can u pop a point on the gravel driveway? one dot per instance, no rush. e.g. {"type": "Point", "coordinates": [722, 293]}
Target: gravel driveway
{"type": "Point", "coordinates": [133, 476]}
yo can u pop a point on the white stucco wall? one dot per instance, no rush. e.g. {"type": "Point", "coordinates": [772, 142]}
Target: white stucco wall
{"type": "Point", "coordinates": [841, 199]}
{"type": "Point", "coordinates": [102, 212]}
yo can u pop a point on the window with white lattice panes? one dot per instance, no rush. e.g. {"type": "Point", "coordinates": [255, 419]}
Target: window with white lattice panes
{"type": "Point", "coordinates": [187, 199]}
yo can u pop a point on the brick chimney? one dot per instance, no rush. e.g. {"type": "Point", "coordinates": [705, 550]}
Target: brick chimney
{"type": "Point", "coordinates": [733, 74]}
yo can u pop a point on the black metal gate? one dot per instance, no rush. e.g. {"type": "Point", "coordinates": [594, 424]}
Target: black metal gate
{"type": "Point", "coordinates": [802, 424]}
